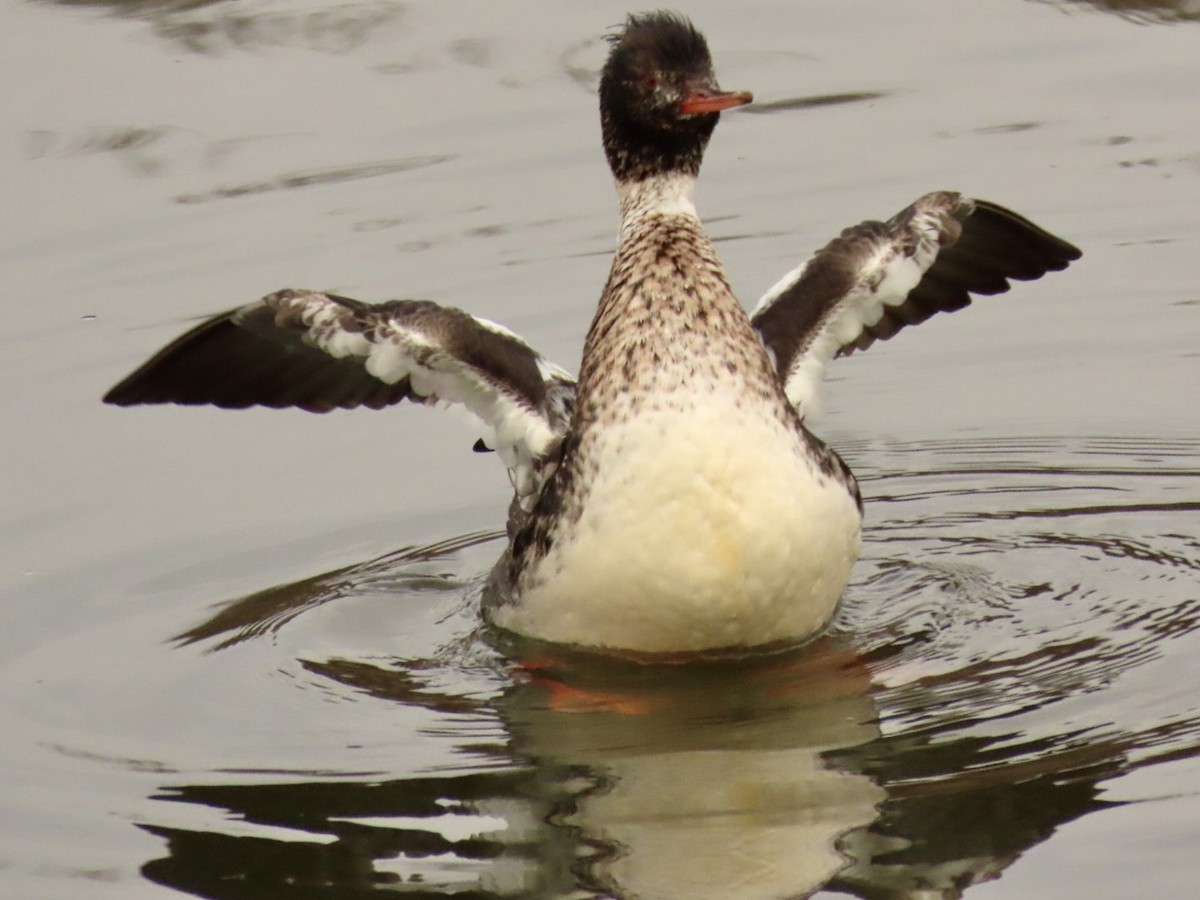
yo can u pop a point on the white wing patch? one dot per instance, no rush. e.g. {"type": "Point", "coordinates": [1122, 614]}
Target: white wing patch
{"type": "Point", "coordinates": [878, 266]}
{"type": "Point", "coordinates": [778, 289]}
{"type": "Point", "coordinates": [878, 278]}
{"type": "Point", "coordinates": [394, 349]}
{"type": "Point", "coordinates": [318, 352]}
{"type": "Point", "coordinates": [886, 280]}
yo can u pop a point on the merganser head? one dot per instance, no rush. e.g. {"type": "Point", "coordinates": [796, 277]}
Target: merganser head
{"type": "Point", "coordinates": [659, 98]}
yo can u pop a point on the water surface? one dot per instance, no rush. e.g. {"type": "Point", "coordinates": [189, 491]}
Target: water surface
{"type": "Point", "coordinates": [240, 650]}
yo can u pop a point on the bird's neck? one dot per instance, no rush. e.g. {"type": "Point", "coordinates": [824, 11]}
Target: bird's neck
{"type": "Point", "coordinates": [664, 194]}
{"type": "Point", "coordinates": [667, 322]}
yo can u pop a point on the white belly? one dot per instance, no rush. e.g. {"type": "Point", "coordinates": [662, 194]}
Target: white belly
{"type": "Point", "coordinates": [704, 529]}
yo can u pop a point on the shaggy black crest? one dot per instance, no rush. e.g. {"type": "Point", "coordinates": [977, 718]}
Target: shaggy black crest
{"type": "Point", "coordinates": [658, 40]}
{"type": "Point", "coordinates": [654, 62]}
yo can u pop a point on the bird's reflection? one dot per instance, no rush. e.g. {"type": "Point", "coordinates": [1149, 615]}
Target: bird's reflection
{"type": "Point", "coordinates": [693, 780]}
{"type": "Point", "coordinates": [764, 777]}
{"type": "Point", "coordinates": [710, 779]}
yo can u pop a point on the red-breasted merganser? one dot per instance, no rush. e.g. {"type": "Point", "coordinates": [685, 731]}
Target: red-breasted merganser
{"type": "Point", "coordinates": [672, 498]}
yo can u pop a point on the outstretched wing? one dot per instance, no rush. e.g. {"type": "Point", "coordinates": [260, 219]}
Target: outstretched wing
{"type": "Point", "coordinates": [878, 277]}
{"type": "Point", "coordinates": [320, 352]}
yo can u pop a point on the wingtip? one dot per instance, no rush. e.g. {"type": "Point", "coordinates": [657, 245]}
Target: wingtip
{"type": "Point", "coordinates": [127, 392]}
{"type": "Point", "coordinates": [1053, 244]}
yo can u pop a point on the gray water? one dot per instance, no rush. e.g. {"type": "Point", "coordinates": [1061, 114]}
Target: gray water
{"type": "Point", "coordinates": [239, 651]}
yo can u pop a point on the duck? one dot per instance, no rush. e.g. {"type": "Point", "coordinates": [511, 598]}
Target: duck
{"type": "Point", "coordinates": [671, 498]}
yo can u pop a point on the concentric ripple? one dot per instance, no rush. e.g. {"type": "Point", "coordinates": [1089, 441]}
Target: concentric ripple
{"type": "Point", "coordinates": [1020, 635]}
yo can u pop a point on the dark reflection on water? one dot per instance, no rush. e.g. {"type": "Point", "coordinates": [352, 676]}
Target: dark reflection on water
{"type": "Point", "coordinates": [972, 698]}
{"type": "Point", "coordinates": [1146, 11]}
{"type": "Point", "coordinates": [959, 829]}
{"type": "Point", "coordinates": [337, 175]}
{"type": "Point", "coordinates": [340, 860]}
{"type": "Point", "coordinates": [687, 781]}
{"type": "Point", "coordinates": [770, 106]}
{"type": "Point", "coordinates": [213, 26]}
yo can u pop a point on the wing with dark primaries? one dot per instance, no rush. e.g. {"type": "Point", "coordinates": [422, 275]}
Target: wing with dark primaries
{"type": "Point", "coordinates": [319, 352]}
{"type": "Point", "coordinates": [878, 277]}
{"type": "Point", "coordinates": [244, 357]}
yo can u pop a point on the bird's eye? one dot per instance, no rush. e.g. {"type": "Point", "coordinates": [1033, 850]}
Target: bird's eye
{"type": "Point", "coordinates": [649, 82]}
